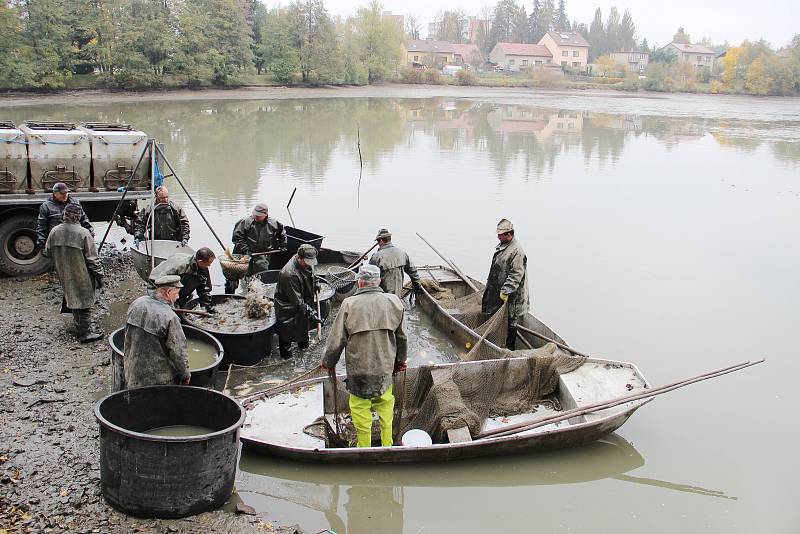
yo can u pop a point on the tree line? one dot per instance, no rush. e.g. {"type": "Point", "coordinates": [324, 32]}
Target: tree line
{"type": "Point", "coordinates": [148, 43]}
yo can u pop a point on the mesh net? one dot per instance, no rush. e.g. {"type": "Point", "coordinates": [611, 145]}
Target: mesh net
{"type": "Point", "coordinates": [497, 383]}
{"type": "Point", "coordinates": [337, 276]}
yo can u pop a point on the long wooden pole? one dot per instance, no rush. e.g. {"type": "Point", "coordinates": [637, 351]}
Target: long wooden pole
{"type": "Point", "coordinates": [175, 175]}
{"type": "Point", "coordinates": [124, 194]}
{"type": "Point", "coordinates": [569, 414]}
{"type": "Point", "coordinates": [458, 271]}
{"type": "Point", "coordinates": [364, 255]}
{"type": "Point", "coordinates": [553, 341]}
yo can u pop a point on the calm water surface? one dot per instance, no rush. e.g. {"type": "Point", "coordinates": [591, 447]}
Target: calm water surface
{"type": "Point", "coordinates": [659, 230]}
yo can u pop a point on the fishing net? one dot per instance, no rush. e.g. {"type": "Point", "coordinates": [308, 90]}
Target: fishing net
{"type": "Point", "coordinates": [338, 277]}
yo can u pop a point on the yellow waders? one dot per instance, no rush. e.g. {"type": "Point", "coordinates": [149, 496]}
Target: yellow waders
{"type": "Point", "coordinates": [361, 413]}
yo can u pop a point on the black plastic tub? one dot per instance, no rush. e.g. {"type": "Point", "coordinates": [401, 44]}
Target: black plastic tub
{"type": "Point", "coordinates": [296, 237]}
{"type": "Point", "coordinates": [203, 377]}
{"type": "Point", "coordinates": [168, 477]}
{"type": "Point", "coordinates": [270, 278]}
{"type": "Point", "coordinates": [247, 348]}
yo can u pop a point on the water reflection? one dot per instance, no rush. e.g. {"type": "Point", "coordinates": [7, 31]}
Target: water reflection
{"type": "Point", "coordinates": [355, 499]}
{"type": "Point", "coordinates": [234, 147]}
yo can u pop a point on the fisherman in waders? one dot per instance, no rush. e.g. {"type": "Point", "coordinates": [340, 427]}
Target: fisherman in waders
{"type": "Point", "coordinates": [51, 213]}
{"type": "Point", "coordinates": [508, 280]}
{"type": "Point", "coordinates": [73, 252]}
{"type": "Point", "coordinates": [156, 352]}
{"type": "Point", "coordinates": [295, 301]}
{"type": "Point", "coordinates": [193, 271]}
{"type": "Point", "coordinates": [393, 262]}
{"type": "Point", "coordinates": [169, 221]}
{"type": "Point", "coordinates": [369, 328]}
{"type": "Point", "coordinates": [257, 233]}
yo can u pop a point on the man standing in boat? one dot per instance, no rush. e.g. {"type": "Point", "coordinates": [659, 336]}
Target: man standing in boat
{"type": "Point", "coordinates": [156, 352]}
{"type": "Point", "coordinates": [508, 280]}
{"type": "Point", "coordinates": [193, 271]}
{"type": "Point", "coordinates": [74, 255]}
{"type": "Point", "coordinates": [257, 233]}
{"type": "Point", "coordinates": [369, 327]}
{"type": "Point", "coordinates": [393, 262]}
{"type": "Point", "coordinates": [295, 301]}
{"type": "Point", "coordinates": [169, 221]}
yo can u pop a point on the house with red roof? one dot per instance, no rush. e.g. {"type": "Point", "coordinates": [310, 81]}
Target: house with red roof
{"type": "Point", "coordinates": [520, 56]}
{"type": "Point", "coordinates": [569, 49]}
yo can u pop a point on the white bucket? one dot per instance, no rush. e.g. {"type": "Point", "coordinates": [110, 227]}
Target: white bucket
{"type": "Point", "coordinates": [416, 438]}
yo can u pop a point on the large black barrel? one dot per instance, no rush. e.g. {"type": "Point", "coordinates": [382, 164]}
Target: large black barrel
{"type": "Point", "coordinates": [145, 475]}
{"type": "Point", "coordinates": [247, 348]}
{"type": "Point", "coordinates": [202, 376]}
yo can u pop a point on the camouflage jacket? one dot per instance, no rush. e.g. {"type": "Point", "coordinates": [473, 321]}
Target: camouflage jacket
{"type": "Point", "coordinates": [393, 262]}
{"type": "Point", "coordinates": [171, 223]}
{"type": "Point", "coordinates": [369, 328]}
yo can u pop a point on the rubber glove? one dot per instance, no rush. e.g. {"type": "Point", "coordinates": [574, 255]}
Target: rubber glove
{"type": "Point", "coordinates": [184, 242]}
{"type": "Point", "coordinates": [324, 368]}
{"type": "Point", "coordinates": [503, 297]}
{"type": "Point", "coordinates": [400, 366]}
{"type": "Point", "coordinates": [136, 242]}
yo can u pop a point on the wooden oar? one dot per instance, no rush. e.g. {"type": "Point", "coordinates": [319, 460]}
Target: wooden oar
{"type": "Point", "coordinates": [648, 393]}
{"type": "Point", "coordinates": [364, 255]}
{"type": "Point", "coordinates": [451, 264]}
{"type": "Point", "coordinates": [193, 312]}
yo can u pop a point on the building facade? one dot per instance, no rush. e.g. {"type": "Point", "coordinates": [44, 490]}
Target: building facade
{"type": "Point", "coordinates": [429, 53]}
{"type": "Point", "coordinates": [568, 49]}
{"type": "Point", "coordinates": [697, 56]}
{"type": "Point", "coordinates": [515, 57]}
{"type": "Point", "coordinates": [635, 61]}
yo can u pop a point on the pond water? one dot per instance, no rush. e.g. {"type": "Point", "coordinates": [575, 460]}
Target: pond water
{"type": "Point", "coordinates": [661, 230]}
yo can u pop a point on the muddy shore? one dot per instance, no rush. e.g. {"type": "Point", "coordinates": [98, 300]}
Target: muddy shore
{"type": "Point", "coordinates": [49, 454]}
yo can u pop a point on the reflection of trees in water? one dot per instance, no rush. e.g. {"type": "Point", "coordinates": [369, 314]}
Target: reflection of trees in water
{"type": "Point", "coordinates": [787, 151]}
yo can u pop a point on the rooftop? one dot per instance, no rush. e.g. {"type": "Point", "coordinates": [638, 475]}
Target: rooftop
{"type": "Point", "coordinates": [692, 48]}
{"type": "Point", "coordinates": [522, 49]}
{"type": "Point", "coordinates": [429, 45]}
{"type": "Point", "coordinates": [568, 39]}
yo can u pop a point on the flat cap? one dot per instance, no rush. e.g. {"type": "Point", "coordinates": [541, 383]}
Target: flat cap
{"type": "Point", "coordinates": [260, 209]}
{"type": "Point", "coordinates": [308, 254]}
{"type": "Point", "coordinates": [369, 272]}
{"type": "Point", "coordinates": [170, 280]}
{"type": "Point", "coordinates": [504, 226]}
{"type": "Point", "coordinates": [60, 187]}
{"type": "Point", "coordinates": [383, 233]}
{"type": "Point", "coordinates": [72, 208]}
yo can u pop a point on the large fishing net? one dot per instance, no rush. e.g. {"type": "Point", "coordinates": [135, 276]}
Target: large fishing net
{"type": "Point", "coordinates": [495, 382]}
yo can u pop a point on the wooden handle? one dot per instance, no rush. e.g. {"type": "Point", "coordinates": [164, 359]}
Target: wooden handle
{"type": "Point", "coordinates": [265, 253]}
{"type": "Point", "coordinates": [193, 312]}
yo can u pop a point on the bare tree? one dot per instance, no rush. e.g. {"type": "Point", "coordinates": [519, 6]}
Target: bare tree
{"type": "Point", "coordinates": [413, 26]}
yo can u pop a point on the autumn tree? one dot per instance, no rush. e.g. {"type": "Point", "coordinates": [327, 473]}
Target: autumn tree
{"type": "Point", "coordinates": [681, 37]}
{"type": "Point", "coordinates": [451, 26]}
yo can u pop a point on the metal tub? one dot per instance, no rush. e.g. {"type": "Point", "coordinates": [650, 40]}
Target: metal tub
{"type": "Point", "coordinates": [168, 477]}
{"type": "Point", "coordinates": [203, 377]}
{"type": "Point", "coordinates": [116, 148]}
{"type": "Point", "coordinates": [57, 152]}
{"type": "Point", "coordinates": [247, 348]}
{"type": "Point", "coordinates": [13, 159]}
{"type": "Point", "coordinates": [160, 248]}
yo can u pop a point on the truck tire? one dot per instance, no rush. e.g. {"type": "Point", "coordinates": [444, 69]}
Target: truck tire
{"type": "Point", "coordinates": [18, 254]}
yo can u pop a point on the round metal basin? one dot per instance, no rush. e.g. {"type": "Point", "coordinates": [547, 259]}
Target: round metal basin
{"type": "Point", "coordinates": [202, 376]}
{"type": "Point", "coordinates": [168, 476]}
{"type": "Point", "coordinates": [160, 248]}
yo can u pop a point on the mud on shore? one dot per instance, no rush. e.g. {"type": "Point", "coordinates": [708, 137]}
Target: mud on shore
{"type": "Point", "coordinates": [49, 453]}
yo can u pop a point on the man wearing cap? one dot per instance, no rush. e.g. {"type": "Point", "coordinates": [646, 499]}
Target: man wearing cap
{"type": "Point", "coordinates": [193, 271]}
{"type": "Point", "coordinates": [295, 300]}
{"type": "Point", "coordinates": [51, 213]}
{"type": "Point", "coordinates": [393, 262]}
{"type": "Point", "coordinates": [74, 254]}
{"type": "Point", "coordinates": [257, 233]}
{"type": "Point", "coordinates": [508, 280]}
{"type": "Point", "coordinates": [155, 345]}
{"type": "Point", "coordinates": [369, 328]}
{"type": "Point", "coordinates": [169, 221]}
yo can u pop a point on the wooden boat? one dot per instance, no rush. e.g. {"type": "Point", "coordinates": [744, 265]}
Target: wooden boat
{"type": "Point", "coordinates": [276, 419]}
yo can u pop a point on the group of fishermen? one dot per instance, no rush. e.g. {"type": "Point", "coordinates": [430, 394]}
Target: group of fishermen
{"type": "Point", "coordinates": [369, 326]}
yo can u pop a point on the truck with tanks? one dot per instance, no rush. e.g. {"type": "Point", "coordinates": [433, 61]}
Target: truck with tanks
{"type": "Point", "coordinates": [96, 160]}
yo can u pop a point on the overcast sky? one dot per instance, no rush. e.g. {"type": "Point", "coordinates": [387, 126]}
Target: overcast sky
{"type": "Point", "coordinates": [732, 20]}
